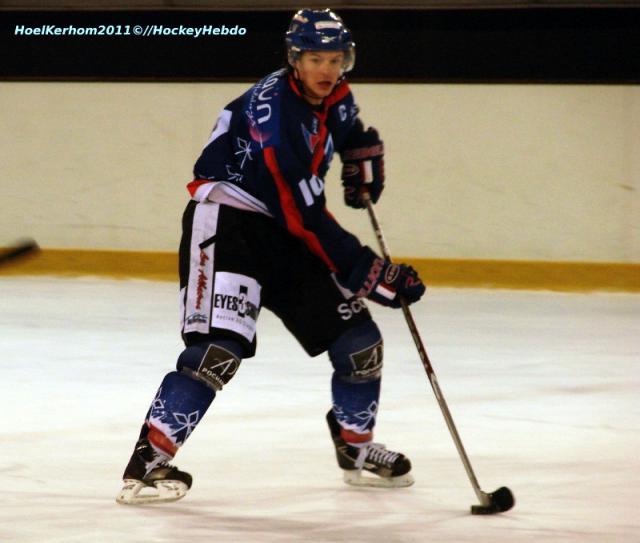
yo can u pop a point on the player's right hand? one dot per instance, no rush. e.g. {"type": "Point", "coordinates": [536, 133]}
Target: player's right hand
{"type": "Point", "coordinates": [384, 282]}
{"type": "Point", "coordinates": [388, 283]}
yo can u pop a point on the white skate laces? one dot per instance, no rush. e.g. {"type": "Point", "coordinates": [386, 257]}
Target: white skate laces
{"type": "Point", "coordinates": [375, 452]}
{"type": "Point", "coordinates": [371, 456]}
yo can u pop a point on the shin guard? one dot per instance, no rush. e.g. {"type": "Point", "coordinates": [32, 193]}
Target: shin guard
{"type": "Point", "coordinates": [357, 360]}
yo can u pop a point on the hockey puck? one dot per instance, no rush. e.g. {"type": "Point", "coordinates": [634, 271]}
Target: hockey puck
{"type": "Point", "coordinates": [501, 500]}
{"type": "Point", "coordinates": [484, 509]}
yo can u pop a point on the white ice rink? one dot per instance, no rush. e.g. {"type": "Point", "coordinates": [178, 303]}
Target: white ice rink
{"type": "Point", "coordinates": [544, 389]}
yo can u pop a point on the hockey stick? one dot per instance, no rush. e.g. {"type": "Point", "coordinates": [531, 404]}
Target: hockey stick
{"type": "Point", "coordinates": [21, 249]}
{"type": "Point", "coordinates": [495, 502]}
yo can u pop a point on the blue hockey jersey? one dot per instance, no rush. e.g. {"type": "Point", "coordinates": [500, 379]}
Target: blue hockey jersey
{"type": "Point", "coordinates": [270, 151]}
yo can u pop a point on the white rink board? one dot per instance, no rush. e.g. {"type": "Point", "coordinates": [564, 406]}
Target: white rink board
{"type": "Point", "coordinates": [543, 388]}
{"type": "Point", "coordinates": [506, 172]}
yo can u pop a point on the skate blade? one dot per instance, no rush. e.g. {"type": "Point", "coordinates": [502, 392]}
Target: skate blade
{"type": "Point", "coordinates": [135, 492]}
{"type": "Point", "coordinates": [356, 478]}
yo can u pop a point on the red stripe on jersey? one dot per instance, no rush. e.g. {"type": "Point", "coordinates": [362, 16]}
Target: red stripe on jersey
{"type": "Point", "coordinates": [291, 212]}
{"type": "Point", "coordinates": [195, 185]}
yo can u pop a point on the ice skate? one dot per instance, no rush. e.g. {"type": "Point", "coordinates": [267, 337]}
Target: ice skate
{"type": "Point", "coordinates": [149, 478]}
{"type": "Point", "coordinates": [390, 469]}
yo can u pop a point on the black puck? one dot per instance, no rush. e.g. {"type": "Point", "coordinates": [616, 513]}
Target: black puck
{"type": "Point", "coordinates": [484, 509]}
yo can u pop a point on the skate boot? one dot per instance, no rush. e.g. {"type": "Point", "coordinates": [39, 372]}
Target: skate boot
{"type": "Point", "coordinates": [149, 478]}
{"type": "Point", "coordinates": [391, 469]}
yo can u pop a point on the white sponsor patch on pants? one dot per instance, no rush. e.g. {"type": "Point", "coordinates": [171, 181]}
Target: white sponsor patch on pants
{"type": "Point", "coordinates": [236, 303]}
{"type": "Point", "coordinates": [197, 309]}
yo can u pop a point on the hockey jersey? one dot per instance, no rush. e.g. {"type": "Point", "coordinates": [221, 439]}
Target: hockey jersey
{"type": "Point", "coordinates": [270, 151]}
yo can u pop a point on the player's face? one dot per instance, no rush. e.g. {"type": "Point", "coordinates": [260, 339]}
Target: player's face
{"type": "Point", "coordinates": [318, 71]}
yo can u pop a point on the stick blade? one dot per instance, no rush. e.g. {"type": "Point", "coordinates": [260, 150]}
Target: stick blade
{"type": "Point", "coordinates": [500, 501]}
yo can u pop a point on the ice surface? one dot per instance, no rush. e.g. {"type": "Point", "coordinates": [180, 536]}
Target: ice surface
{"type": "Point", "coordinates": [542, 386]}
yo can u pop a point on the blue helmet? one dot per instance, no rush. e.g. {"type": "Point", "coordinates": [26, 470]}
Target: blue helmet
{"type": "Point", "coordinates": [319, 30]}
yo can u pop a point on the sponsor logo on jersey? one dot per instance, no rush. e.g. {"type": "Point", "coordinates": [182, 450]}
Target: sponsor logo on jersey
{"type": "Point", "coordinates": [348, 309]}
{"type": "Point", "coordinates": [263, 124]}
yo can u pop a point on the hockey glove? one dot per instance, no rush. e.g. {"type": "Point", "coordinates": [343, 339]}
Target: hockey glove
{"type": "Point", "coordinates": [363, 167]}
{"type": "Point", "coordinates": [384, 282]}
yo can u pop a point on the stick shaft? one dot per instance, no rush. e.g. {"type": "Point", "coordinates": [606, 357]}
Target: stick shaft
{"type": "Point", "coordinates": [426, 363]}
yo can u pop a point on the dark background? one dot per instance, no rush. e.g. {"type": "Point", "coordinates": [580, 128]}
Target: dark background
{"type": "Point", "coordinates": [544, 45]}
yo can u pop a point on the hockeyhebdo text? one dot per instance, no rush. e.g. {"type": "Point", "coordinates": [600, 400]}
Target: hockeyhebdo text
{"type": "Point", "coordinates": [149, 31]}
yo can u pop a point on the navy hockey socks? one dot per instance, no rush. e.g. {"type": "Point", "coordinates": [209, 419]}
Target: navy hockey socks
{"type": "Point", "coordinates": [178, 407]}
{"type": "Point", "coordinates": [357, 360]}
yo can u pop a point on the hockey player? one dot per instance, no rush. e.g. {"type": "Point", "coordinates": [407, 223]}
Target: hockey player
{"type": "Point", "coordinates": [257, 233]}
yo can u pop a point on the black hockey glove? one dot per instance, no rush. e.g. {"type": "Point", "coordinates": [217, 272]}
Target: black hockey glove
{"type": "Point", "coordinates": [363, 167]}
{"type": "Point", "coordinates": [384, 282]}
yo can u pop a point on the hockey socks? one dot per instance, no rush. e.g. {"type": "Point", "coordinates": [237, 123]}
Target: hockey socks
{"type": "Point", "coordinates": [355, 386]}
{"type": "Point", "coordinates": [357, 360]}
{"type": "Point", "coordinates": [177, 408]}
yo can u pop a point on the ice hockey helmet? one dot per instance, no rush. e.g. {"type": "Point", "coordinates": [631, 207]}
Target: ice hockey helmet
{"type": "Point", "coordinates": [319, 30]}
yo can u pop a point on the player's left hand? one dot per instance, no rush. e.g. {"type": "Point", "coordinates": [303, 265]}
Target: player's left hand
{"type": "Point", "coordinates": [363, 168]}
